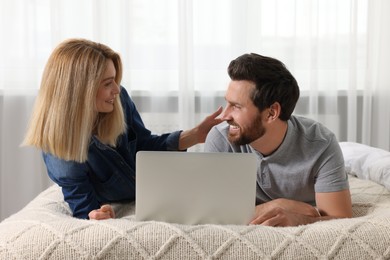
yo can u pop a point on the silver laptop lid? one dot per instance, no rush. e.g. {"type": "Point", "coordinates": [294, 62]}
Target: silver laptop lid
{"type": "Point", "coordinates": [195, 188]}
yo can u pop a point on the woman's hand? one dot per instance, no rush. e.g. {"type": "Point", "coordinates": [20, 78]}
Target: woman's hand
{"type": "Point", "coordinates": [105, 212]}
{"type": "Point", "coordinates": [198, 134]}
{"type": "Point", "coordinates": [205, 126]}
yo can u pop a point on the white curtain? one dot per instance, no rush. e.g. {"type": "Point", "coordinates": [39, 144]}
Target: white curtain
{"type": "Point", "coordinates": [376, 108]}
{"type": "Point", "coordinates": [175, 54]}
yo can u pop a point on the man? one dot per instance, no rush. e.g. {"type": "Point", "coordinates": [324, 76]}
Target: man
{"type": "Point", "coordinates": [300, 177]}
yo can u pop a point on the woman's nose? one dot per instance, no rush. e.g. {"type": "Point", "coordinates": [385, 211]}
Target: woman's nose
{"type": "Point", "coordinates": [117, 88]}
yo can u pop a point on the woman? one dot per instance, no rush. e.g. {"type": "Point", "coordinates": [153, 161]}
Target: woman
{"type": "Point", "coordinates": [90, 130]}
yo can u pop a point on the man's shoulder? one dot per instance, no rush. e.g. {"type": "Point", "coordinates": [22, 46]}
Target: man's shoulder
{"type": "Point", "coordinates": [222, 128]}
{"type": "Point", "coordinates": [311, 136]}
{"type": "Point", "coordinates": [311, 130]}
{"type": "Point", "coordinates": [218, 134]}
{"type": "Point", "coordinates": [217, 140]}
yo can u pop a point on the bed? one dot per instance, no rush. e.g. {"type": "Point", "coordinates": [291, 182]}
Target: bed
{"type": "Point", "coordinates": [44, 229]}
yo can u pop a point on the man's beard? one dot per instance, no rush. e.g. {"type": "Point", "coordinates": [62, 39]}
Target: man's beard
{"type": "Point", "coordinates": [252, 132]}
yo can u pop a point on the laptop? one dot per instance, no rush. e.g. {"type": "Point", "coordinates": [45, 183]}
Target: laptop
{"type": "Point", "coordinates": [195, 187]}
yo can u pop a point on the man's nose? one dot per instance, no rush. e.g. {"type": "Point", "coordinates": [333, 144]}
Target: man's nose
{"type": "Point", "coordinates": [225, 115]}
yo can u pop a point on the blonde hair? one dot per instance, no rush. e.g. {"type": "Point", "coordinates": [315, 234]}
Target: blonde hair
{"type": "Point", "coordinates": [65, 114]}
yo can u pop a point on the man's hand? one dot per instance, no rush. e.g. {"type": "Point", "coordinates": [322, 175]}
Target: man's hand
{"type": "Point", "coordinates": [284, 212]}
{"type": "Point", "coordinates": [279, 217]}
{"type": "Point", "coordinates": [105, 212]}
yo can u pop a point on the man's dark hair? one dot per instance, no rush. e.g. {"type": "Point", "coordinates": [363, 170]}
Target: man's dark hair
{"type": "Point", "coordinates": [274, 83]}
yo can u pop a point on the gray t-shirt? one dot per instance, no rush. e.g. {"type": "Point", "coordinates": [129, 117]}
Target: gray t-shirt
{"type": "Point", "coordinates": [309, 160]}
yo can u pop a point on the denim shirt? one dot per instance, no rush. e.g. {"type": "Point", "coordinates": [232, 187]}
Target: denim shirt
{"type": "Point", "coordinates": [108, 175]}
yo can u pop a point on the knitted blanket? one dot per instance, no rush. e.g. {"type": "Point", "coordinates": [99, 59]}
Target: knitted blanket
{"type": "Point", "coordinates": [44, 229]}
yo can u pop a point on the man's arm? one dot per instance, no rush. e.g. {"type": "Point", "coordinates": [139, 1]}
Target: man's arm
{"type": "Point", "coordinates": [285, 212]}
{"type": "Point", "coordinates": [335, 204]}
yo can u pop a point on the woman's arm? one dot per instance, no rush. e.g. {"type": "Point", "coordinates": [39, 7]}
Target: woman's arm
{"type": "Point", "coordinates": [179, 140]}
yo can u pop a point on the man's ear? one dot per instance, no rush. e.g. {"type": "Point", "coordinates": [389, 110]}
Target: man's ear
{"type": "Point", "coordinates": [274, 111]}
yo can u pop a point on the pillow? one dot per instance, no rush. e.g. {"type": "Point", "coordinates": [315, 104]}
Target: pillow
{"type": "Point", "coordinates": [367, 162]}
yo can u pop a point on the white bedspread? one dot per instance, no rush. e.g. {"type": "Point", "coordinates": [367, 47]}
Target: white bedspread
{"type": "Point", "coordinates": [44, 229]}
